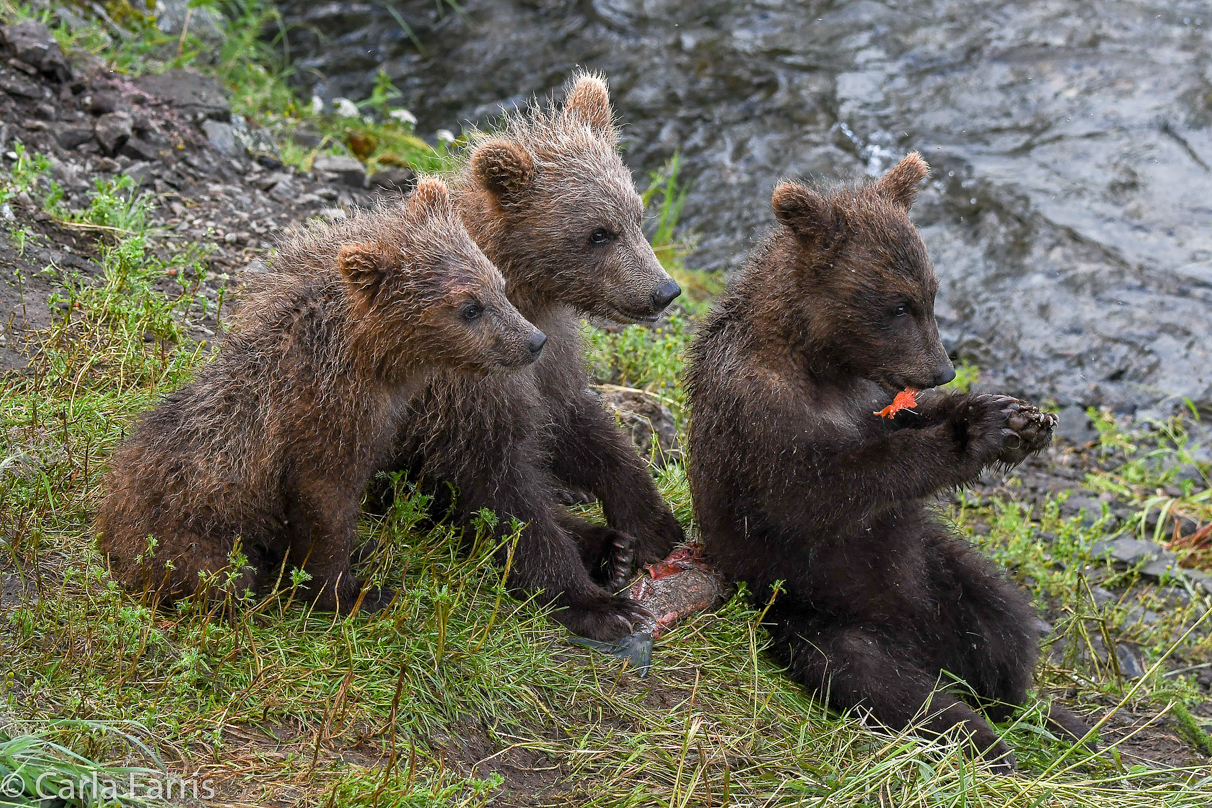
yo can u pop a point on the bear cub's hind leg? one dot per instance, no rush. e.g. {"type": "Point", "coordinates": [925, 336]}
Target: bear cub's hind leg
{"type": "Point", "coordinates": [854, 666]}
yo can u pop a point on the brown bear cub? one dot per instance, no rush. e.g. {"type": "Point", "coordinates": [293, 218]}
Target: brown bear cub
{"type": "Point", "coordinates": [550, 202]}
{"type": "Point", "coordinates": [271, 447]}
{"type": "Point", "coordinates": [795, 478]}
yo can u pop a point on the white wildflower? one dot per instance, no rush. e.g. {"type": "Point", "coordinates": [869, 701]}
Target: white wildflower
{"type": "Point", "coordinates": [345, 108]}
{"type": "Point", "coordinates": [317, 105]}
{"type": "Point", "coordinates": [445, 135]}
{"type": "Point", "coordinates": [403, 116]}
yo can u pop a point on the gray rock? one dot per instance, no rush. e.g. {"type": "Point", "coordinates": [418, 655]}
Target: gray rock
{"type": "Point", "coordinates": [394, 179]}
{"type": "Point", "coordinates": [1162, 568]}
{"type": "Point", "coordinates": [1129, 551]}
{"type": "Point", "coordinates": [256, 142]}
{"type": "Point", "coordinates": [1103, 596]}
{"type": "Point", "coordinates": [15, 83]}
{"type": "Point", "coordinates": [203, 23]}
{"type": "Point", "coordinates": [349, 170]}
{"type": "Point", "coordinates": [307, 137]}
{"type": "Point", "coordinates": [1139, 614]}
{"type": "Point", "coordinates": [1200, 579]}
{"type": "Point", "coordinates": [222, 137]}
{"type": "Point", "coordinates": [33, 43]}
{"type": "Point", "coordinates": [136, 148]}
{"type": "Point", "coordinates": [284, 190]}
{"type": "Point", "coordinates": [1084, 503]}
{"type": "Point", "coordinates": [1131, 660]}
{"type": "Point", "coordinates": [139, 172]}
{"type": "Point", "coordinates": [197, 96]}
{"type": "Point", "coordinates": [73, 135]}
{"type": "Point", "coordinates": [112, 130]}
{"type": "Point", "coordinates": [1075, 427]}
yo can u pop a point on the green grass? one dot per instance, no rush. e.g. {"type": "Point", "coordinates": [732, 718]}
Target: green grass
{"type": "Point", "coordinates": [282, 704]}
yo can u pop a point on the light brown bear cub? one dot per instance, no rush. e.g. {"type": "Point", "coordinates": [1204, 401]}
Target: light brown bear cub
{"type": "Point", "coordinates": [551, 203]}
{"type": "Point", "coordinates": [273, 444]}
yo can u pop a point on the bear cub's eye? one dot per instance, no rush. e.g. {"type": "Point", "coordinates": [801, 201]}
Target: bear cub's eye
{"type": "Point", "coordinates": [901, 310]}
{"type": "Point", "coordinates": [471, 311]}
{"type": "Point", "coordinates": [601, 236]}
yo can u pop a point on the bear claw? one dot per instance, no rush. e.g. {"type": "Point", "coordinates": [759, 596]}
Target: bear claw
{"type": "Point", "coordinates": [609, 618]}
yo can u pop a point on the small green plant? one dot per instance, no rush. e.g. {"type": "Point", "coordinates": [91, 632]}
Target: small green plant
{"type": "Point", "coordinates": [24, 173]}
{"type": "Point", "coordinates": [966, 375]}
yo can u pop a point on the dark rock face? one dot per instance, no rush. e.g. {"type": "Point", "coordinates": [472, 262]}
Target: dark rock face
{"type": "Point", "coordinates": [113, 129]}
{"type": "Point", "coordinates": [33, 44]}
{"type": "Point", "coordinates": [199, 97]}
{"type": "Point", "coordinates": [1068, 213]}
{"type": "Point", "coordinates": [346, 169]}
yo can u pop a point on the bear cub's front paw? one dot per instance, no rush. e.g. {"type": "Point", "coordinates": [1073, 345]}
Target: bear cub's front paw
{"type": "Point", "coordinates": [1005, 430]}
{"type": "Point", "coordinates": [617, 562]}
{"type": "Point", "coordinates": [606, 618]}
{"type": "Point", "coordinates": [1028, 431]}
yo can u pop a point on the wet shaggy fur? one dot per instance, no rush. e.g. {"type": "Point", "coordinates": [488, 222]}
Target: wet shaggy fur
{"type": "Point", "coordinates": [550, 202]}
{"type": "Point", "coordinates": [271, 446]}
{"type": "Point", "coordinates": [795, 479]}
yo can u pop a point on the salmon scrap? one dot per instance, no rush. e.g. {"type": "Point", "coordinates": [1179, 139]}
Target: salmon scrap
{"type": "Point", "coordinates": [904, 400]}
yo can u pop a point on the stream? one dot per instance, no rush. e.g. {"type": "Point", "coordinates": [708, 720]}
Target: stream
{"type": "Point", "coordinates": [1069, 213]}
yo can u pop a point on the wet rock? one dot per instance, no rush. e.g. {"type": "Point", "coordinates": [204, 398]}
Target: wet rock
{"type": "Point", "coordinates": [199, 97]}
{"type": "Point", "coordinates": [112, 130]}
{"type": "Point", "coordinates": [647, 421]}
{"type": "Point", "coordinates": [73, 135]}
{"type": "Point", "coordinates": [1075, 427]}
{"type": "Point", "coordinates": [33, 43]}
{"type": "Point", "coordinates": [347, 170]}
{"type": "Point", "coordinates": [394, 179]}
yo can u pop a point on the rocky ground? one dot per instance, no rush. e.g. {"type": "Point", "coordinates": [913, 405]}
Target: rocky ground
{"type": "Point", "coordinates": [214, 178]}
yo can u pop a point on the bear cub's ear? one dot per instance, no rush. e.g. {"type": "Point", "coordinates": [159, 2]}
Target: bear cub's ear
{"type": "Point", "coordinates": [431, 198]}
{"type": "Point", "coordinates": [589, 102]}
{"type": "Point", "coordinates": [364, 266]}
{"type": "Point", "coordinates": [504, 169]}
{"type": "Point", "coordinates": [899, 185]}
{"type": "Point", "coordinates": [806, 213]}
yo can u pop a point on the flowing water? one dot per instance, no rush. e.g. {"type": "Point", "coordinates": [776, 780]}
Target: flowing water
{"type": "Point", "coordinates": [1069, 214]}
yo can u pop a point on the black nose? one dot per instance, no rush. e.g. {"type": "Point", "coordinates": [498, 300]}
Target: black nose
{"type": "Point", "coordinates": [944, 375]}
{"type": "Point", "coordinates": [665, 294]}
{"type": "Point", "coordinates": [537, 340]}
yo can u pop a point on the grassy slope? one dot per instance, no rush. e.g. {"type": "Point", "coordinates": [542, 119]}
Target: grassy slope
{"type": "Point", "coordinates": [288, 707]}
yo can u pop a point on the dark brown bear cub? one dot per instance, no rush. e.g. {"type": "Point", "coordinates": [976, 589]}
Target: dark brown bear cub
{"type": "Point", "coordinates": [273, 444]}
{"type": "Point", "coordinates": [550, 202]}
{"type": "Point", "coordinates": [796, 479]}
